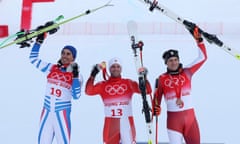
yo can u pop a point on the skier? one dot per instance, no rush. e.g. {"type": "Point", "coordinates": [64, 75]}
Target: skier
{"type": "Point", "coordinates": [63, 83]}
{"type": "Point", "coordinates": [116, 93]}
{"type": "Point", "coordinates": [175, 85]}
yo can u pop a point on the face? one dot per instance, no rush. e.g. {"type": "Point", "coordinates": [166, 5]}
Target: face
{"type": "Point", "coordinates": [115, 70]}
{"type": "Point", "coordinates": [173, 63]}
{"type": "Point", "coordinates": [66, 56]}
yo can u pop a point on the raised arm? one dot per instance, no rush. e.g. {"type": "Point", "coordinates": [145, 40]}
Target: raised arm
{"type": "Point", "coordinates": [90, 88]}
{"type": "Point", "coordinates": [36, 61]}
{"type": "Point", "coordinates": [202, 53]}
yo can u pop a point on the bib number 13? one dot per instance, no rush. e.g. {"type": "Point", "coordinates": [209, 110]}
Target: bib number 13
{"type": "Point", "coordinates": [56, 92]}
{"type": "Point", "coordinates": [117, 112]}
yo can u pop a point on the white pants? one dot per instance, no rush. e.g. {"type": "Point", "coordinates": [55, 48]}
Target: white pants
{"type": "Point", "coordinates": [174, 137]}
{"type": "Point", "coordinates": [54, 124]}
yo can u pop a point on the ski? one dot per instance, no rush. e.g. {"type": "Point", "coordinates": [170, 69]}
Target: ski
{"type": "Point", "coordinates": [211, 38]}
{"type": "Point", "coordinates": [137, 50]}
{"type": "Point", "coordinates": [33, 33]}
{"type": "Point", "coordinates": [23, 33]}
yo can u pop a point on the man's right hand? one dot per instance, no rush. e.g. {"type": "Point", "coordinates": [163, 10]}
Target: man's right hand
{"type": "Point", "coordinates": [40, 38]}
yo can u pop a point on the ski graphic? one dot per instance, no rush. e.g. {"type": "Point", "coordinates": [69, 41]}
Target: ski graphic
{"type": "Point", "coordinates": [30, 35]}
{"type": "Point", "coordinates": [137, 50]}
{"type": "Point", "coordinates": [211, 38]}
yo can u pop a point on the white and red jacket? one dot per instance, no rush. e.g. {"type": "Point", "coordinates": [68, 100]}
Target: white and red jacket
{"type": "Point", "coordinates": [179, 85]}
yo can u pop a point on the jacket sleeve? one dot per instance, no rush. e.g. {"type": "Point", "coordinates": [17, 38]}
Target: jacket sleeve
{"type": "Point", "coordinates": [36, 61]}
{"type": "Point", "coordinates": [92, 89]}
{"type": "Point", "coordinates": [198, 62]}
{"type": "Point", "coordinates": [76, 87]}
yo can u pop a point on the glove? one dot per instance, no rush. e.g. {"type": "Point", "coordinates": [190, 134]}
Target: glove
{"type": "Point", "coordinates": [40, 38]}
{"type": "Point", "coordinates": [194, 30]}
{"type": "Point", "coordinates": [197, 35]}
{"type": "Point", "coordinates": [75, 70]}
{"type": "Point", "coordinates": [156, 110]}
{"type": "Point", "coordinates": [95, 70]}
{"type": "Point", "coordinates": [25, 43]}
{"type": "Point", "coordinates": [142, 71]}
{"type": "Point", "coordinates": [54, 30]}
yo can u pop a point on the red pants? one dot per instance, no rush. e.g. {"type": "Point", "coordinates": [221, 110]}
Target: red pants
{"type": "Point", "coordinates": [118, 130]}
{"type": "Point", "coordinates": [185, 123]}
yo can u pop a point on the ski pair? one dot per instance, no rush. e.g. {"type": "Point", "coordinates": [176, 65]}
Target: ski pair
{"type": "Point", "coordinates": [24, 36]}
{"type": "Point", "coordinates": [211, 38]}
{"type": "Point", "coordinates": [137, 47]}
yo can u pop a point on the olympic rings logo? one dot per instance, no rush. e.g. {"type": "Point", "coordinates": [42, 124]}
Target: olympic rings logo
{"type": "Point", "coordinates": [171, 82]}
{"type": "Point", "coordinates": [60, 76]}
{"type": "Point", "coordinates": [116, 89]}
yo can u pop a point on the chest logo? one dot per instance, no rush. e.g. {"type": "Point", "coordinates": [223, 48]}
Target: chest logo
{"type": "Point", "coordinates": [174, 81]}
{"type": "Point", "coordinates": [116, 89]}
{"type": "Point", "coordinates": [60, 76]}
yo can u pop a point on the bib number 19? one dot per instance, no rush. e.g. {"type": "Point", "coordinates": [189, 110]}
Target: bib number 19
{"type": "Point", "coordinates": [56, 92]}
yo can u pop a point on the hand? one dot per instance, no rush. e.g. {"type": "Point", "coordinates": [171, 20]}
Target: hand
{"type": "Point", "coordinates": [54, 30]}
{"type": "Point", "coordinates": [95, 70]}
{"type": "Point", "coordinates": [156, 110]}
{"type": "Point", "coordinates": [194, 30]}
{"type": "Point", "coordinates": [40, 38]}
{"type": "Point", "coordinates": [25, 43]}
{"type": "Point", "coordinates": [75, 70]}
{"type": "Point", "coordinates": [143, 71]}
{"type": "Point", "coordinates": [197, 35]}
{"type": "Point", "coordinates": [179, 103]}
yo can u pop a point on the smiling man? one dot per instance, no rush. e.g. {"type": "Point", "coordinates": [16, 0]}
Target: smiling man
{"type": "Point", "coordinates": [64, 83]}
{"type": "Point", "coordinates": [175, 86]}
{"type": "Point", "coordinates": [116, 94]}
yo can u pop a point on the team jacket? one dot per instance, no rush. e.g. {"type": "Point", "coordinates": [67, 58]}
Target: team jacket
{"type": "Point", "coordinates": [61, 86]}
{"type": "Point", "coordinates": [179, 85]}
{"type": "Point", "coordinates": [116, 94]}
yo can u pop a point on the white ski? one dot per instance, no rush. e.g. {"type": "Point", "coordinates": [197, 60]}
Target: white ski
{"type": "Point", "coordinates": [211, 38]}
{"type": "Point", "coordinates": [137, 50]}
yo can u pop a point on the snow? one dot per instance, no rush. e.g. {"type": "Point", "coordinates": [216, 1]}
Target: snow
{"type": "Point", "coordinates": [214, 86]}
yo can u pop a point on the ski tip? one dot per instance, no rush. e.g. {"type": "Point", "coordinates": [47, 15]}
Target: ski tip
{"type": "Point", "coordinates": [59, 18]}
{"type": "Point", "coordinates": [131, 24]}
{"type": "Point", "coordinates": [132, 28]}
{"type": "Point", "coordinates": [150, 142]}
{"type": "Point", "coordinates": [237, 56]}
{"type": "Point", "coordinates": [109, 3]}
